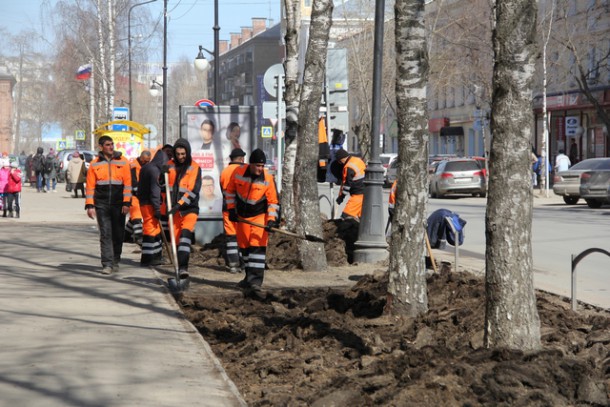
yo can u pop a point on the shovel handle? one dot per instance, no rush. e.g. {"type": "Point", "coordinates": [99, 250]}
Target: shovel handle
{"type": "Point", "coordinates": [282, 231]}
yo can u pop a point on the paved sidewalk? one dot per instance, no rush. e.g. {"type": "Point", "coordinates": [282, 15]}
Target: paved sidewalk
{"type": "Point", "coordinates": [72, 337]}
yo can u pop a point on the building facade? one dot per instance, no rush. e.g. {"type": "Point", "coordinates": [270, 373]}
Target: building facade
{"type": "Point", "coordinates": [577, 76]}
{"type": "Point", "coordinates": [7, 83]}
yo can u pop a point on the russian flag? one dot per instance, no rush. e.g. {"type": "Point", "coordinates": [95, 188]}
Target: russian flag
{"type": "Point", "coordinates": [84, 72]}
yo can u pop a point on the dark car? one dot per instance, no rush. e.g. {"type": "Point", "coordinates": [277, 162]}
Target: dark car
{"type": "Point", "coordinates": [594, 187]}
{"type": "Point", "coordinates": [567, 183]}
{"type": "Point", "coordinates": [459, 176]}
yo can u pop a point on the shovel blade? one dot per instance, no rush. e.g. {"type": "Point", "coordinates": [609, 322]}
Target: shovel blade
{"type": "Point", "coordinates": [178, 286]}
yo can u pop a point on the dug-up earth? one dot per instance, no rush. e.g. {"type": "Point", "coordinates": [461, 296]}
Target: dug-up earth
{"type": "Point", "coordinates": [321, 339]}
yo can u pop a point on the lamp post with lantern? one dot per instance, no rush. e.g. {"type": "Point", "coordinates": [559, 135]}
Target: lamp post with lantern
{"type": "Point", "coordinates": [203, 64]}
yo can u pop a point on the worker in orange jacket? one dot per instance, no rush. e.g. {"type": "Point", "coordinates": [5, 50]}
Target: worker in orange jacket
{"type": "Point", "coordinates": [391, 205]}
{"type": "Point", "coordinates": [352, 184]}
{"type": "Point", "coordinates": [232, 249]}
{"type": "Point", "coordinates": [108, 198]}
{"type": "Point", "coordinates": [133, 227]}
{"type": "Point", "coordinates": [255, 200]}
{"type": "Point", "coordinates": [184, 183]}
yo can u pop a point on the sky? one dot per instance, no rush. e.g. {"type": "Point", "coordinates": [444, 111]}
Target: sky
{"type": "Point", "coordinates": [190, 22]}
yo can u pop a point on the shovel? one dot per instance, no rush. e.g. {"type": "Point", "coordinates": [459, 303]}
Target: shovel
{"type": "Point", "coordinates": [176, 285]}
{"type": "Point", "coordinates": [307, 237]}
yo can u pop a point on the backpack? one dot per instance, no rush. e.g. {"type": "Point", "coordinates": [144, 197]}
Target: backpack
{"type": "Point", "coordinates": [49, 164]}
{"type": "Point", "coordinates": [38, 163]}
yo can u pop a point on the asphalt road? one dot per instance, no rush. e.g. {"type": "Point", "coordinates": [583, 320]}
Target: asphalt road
{"type": "Point", "coordinates": [558, 232]}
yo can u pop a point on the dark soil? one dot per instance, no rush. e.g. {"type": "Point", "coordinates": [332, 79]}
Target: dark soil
{"type": "Point", "coordinates": [332, 346]}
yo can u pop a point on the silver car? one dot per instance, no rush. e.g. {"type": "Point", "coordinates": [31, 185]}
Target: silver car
{"type": "Point", "coordinates": [594, 187]}
{"type": "Point", "coordinates": [567, 183]}
{"type": "Point", "coordinates": [459, 176]}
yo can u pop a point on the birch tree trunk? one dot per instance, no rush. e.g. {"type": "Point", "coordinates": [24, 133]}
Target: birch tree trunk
{"type": "Point", "coordinates": [102, 61]}
{"type": "Point", "coordinates": [511, 317]}
{"type": "Point", "coordinates": [407, 290]}
{"type": "Point", "coordinates": [112, 58]}
{"type": "Point", "coordinates": [312, 256]}
{"type": "Point", "coordinates": [291, 97]}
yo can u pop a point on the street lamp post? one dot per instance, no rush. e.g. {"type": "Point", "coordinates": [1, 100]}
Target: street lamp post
{"type": "Point", "coordinates": [129, 52]}
{"type": "Point", "coordinates": [202, 64]}
{"type": "Point", "coordinates": [164, 86]}
{"type": "Point", "coordinates": [371, 245]}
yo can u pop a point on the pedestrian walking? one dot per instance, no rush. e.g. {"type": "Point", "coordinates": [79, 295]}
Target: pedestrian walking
{"type": "Point", "coordinates": [151, 207]}
{"type": "Point", "coordinates": [573, 151]}
{"type": "Point", "coordinates": [38, 168]}
{"type": "Point", "coordinates": [133, 227]}
{"type": "Point", "coordinates": [562, 162]}
{"type": "Point", "coordinates": [51, 167]}
{"type": "Point", "coordinates": [13, 192]}
{"type": "Point", "coordinates": [232, 259]}
{"type": "Point", "coordinates": [108, 199]}
{"type": "Point", "coordinates": [352, 184]}
{"type": "Point", "coordinates": [76, 174]}
{"type": "Point", "coordinates": [255, 200]}
{"type": "Point", "coordinates": [184, 183]}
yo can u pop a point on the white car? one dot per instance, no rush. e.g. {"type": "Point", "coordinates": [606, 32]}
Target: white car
{"type": "Point", "coordinates": [386, 160]}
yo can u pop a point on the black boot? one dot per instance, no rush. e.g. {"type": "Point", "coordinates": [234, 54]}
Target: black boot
{"type": "Point", "coordinates": [17, 215]}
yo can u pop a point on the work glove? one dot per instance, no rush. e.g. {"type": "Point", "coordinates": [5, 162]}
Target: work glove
{"type": "Point", "coordinates": [158, 215]}
{"type": "Point", "coordinates": [233, 215]}
{"type": "Point", "coordinates": [340, 199]}
{"type": "Point", "coordinates": [271, 224]}
{"type": "Point", "coordinates": [173, 210]}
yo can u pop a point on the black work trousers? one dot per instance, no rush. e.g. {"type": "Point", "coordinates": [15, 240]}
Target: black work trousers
{"type": "Point", "coordinates": [111, 223]}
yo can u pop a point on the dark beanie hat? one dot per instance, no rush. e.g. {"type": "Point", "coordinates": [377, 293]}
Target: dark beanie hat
{"type": "Point", "coordinates": [237, 152]}
{"type": "Point", "coordinates": [341, 153]}
{"type": "Point", "coordinates": [258, 157]}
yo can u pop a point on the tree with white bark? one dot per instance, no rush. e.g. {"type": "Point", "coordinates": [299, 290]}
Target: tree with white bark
{"type": "Point", "coordinates": [511, 317]}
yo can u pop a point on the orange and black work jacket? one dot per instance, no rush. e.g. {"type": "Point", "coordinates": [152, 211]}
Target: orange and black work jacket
{"type": "Point", "coordinates": [252, 195]}
{"type": "Point", "coordinates": [108, 181]}
{"type": "Point", "coordinates": [392, 201]}
{"type": "Point", "coordinates": [353, 176]}
{"type": "Point", "coordinates": [185, 184]}
{"type": "Point", "coordinates": [135, 168]}
{"type": "Point", "coordinates": [225, 179]}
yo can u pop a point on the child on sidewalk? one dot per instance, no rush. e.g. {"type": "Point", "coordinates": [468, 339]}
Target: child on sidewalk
{"type": "Point", "coordinates": [13, 192]}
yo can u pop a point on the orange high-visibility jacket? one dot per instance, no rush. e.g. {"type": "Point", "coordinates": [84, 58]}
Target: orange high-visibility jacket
{"type": "Point", "coordinates": [108, 182]}
{"type": "Point", "coordinates": [225, 178]}
{"type": "Point", "coordinates": [185, 187]}
{"type": "Point", "coordinates": [353, 176]}
{"type": "Point", "coordinates": [392, 201]}
{"type": "Point", "coordinates": [253, 196]}
{"type": "Point", "coordinates": [134, 211]}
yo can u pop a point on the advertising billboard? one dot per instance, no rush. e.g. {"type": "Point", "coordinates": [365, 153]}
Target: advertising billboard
{"type": "Point", "coordinates": [213, 132]}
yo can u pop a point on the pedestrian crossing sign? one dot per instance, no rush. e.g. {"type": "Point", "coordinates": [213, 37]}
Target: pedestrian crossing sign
{"type": "Point", "coordinates": [266, 132]}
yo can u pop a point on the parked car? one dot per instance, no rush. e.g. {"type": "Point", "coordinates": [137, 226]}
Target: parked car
{"type": "Point", "coordinates": [386, 159]}
{"type": "Point", "coordinates": [567, 183]}
{"type": "Point", "coordinates": [482, 161]}
{"type": "Point", "coordinates": [594, 187]}
{"type": "Point", "coordinates": [64, 157]}
{"type": "Point", "coordinates": [391, 173]}
{"type": "Point", "coordinates": [458, 176]}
